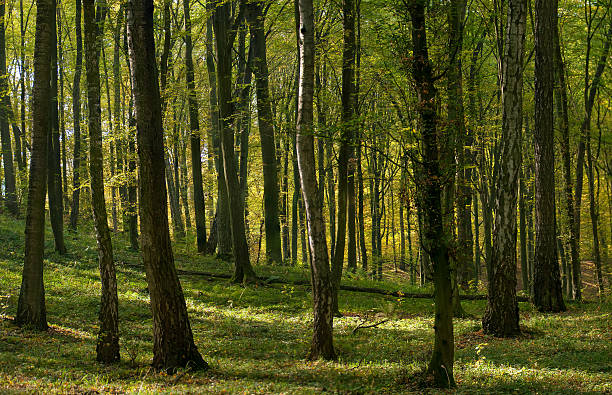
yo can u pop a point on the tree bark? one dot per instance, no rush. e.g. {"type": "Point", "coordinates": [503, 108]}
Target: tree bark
{"type": "Point", "coordinates": [224, 39]}
{"type": "Point", "coordinates": [322, 340]}
{"type": "Point", "coordinates": [442, 359]}
{"type": "Point", "coordinates": [255, 16]}
{"type": "Point", "coordinates": [547, 280]}
{"type": "Point", "coordinates": [107, 347]}
{"type": "Point", "coordinates": [31, 310]}
{"type": "Point", "coordinates": [348, 109]}
{"type": "Point", "coordinates": [173, 344]}
{"type": "Point", "coordinates": [76, 117]}
{"type": "Point", "coordinates": [501, 316]}
{"type": "Point", "coordinates": [6, 117]}
{"type": "Point", "coordinates": [195, 137]}
{"type": "Point", "coordinates": [54, 178]}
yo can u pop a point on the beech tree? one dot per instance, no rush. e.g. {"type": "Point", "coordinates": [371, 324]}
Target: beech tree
{"type": "Point", "coordinates": [173, 345]}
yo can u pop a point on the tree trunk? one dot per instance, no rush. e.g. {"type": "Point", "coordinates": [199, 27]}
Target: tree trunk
{"type": "Point", "coordinates": [523, 234]}
{"type": "Point", "coordinates": [195, 137]}
{"type": "Point", "coordinates": [107, 347]}
{"type": "Point", "coordinates": [54, 178]}
{"type": "Point", "coordinates": [224, 236]}
{"type": "Point", "coordinates": [501, 317]}
{"type": "Point", "coordinates": [76, 117]}
{"type": "Point", "coordinates": [547, 280]}
{"type": "Point", "coordinates": [31, 311]}
{"type": "Point", "coordinates": [224, 38]}
{"type": "Point", "coordinates": [322, 340]}
{"type": "Point", "coordinates": [255, 16]}
{"type": "Point", "coordinates": [442, 359]}
{"type": "Point", "coordinates": [6, 117]}
{"type": "Point", "coordinates": [173, 345]}
{"type": "Point", "coordinates": [590, 90]}
{"type": "Point", "coordinates": [346, 147]}
{"type": "Point", "coordinates": [594, 218]}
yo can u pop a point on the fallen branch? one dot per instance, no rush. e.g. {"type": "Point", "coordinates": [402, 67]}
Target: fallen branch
{"type": "Point", "coordinates": [361, 326]}
{"type": "Point", "coordinates": [352, 288]}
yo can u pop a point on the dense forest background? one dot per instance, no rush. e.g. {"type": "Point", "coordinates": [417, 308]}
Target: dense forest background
{"type": "Point", "coordinates": [454, 148]}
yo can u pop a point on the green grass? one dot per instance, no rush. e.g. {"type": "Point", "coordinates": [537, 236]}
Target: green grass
{"type": "Point", "coordinates": [256, 338]}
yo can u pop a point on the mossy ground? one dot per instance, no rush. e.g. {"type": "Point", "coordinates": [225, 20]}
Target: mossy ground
{"type": "Point", "coordinates": [256, 338]}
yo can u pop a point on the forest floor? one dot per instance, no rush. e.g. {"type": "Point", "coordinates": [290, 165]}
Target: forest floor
{"type": "Point", "coordinates": [255, 338]}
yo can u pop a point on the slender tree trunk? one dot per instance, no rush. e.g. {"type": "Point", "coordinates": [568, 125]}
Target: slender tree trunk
{"type": "Point", "coordinates": [22, 78]}
{"type": "Point", "coordinates": [501, 316]}
{"type": "Point", "coordinates": [547, 280]}
{"type": "Point", "coordinates": [523, 234]}
{"type": "Point", "coordinates": [194, 127]}
{"type": "Point", "coordinates": [590, 90]}
{"type": "Point", "coordinates": [76, 116]}
{"type": "Point", "coordinates": [173, 344]}
{"type": "Point", "coordinates": [362, 237]}
{"type": "Point", "coordinates": [594, 218]}
{"type": "Point", "coordinates": [6, 117]}
{"type": "Point", "coordinates": [107, 347]}
{"type": "Point", "coordinates": [54, 178]}
{"type": "Point", "coordinates": [132, 214]}
{"type": "Point", "coordinates": [62, 125]}
{"type": "Point", "coordinates": [348, 109]}
{"type": "Point", "coordinates": [442, 359]}
{"type": "Point", "coordinates": [224, 38]}
{"type": "Point", "coordinates": [224, 236]}
{"type": "Point", "coordinates": [31, 310]}
{"type": "Point", "coordinates": [255, 16]}
{"type": "Point", "coordinates": [117, 107]}
{"type": "Point", "coordinates": [322, 340]}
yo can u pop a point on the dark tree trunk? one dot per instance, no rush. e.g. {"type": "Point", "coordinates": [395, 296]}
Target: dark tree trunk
{"type": "Point", "coordinates": [566, 159]}
{"type": "Point", "coordinates": [31, 311]}
{"type": "Point", "coordinates": [362, 238]}
{"type": "Point", "coordinates": [173, 345]}
{"type": "Point", "coordinates": [22, 78]}
{"type": "Point", "coordinates": [194, 127]}
{"type": "Point", "coordinates": [255, 17]}
{"type": "Point", "coordinates": [224, 38]}
{"type": "Point", "coordinates": [119, 138]}
{"type": "Point", "coordinates": [346, 147]}
{"type": "Point", "coordinates": [6, 117]}
{"type": "Point", "coordinates": [523, 234]}
{"type": "Point", "coordinates": [224, 237]}
{"type": "Point", "coordinates": [501, 317]}
{"type": "Point", "coordinates": [442, 359]}
{"type": "Point", "coordinates": [76, 116]}
{"type": "Point", "coordinates": [54, 176]}
{"type": "Point", "coordinates": [547, 281]}
{"type": "Point", "coordinates": [108, 337]}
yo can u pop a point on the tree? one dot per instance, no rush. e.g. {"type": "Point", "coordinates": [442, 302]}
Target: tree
{"type": "Point", "coordinates": [173, 344]}
{"type": "Point", "coordinates": [76, 116]}
{"type": "Point", "coordinates": [346, 149]}
{"type": "Point", "coordinates": [225, 35]}
{"type": "Point", "coordinates": [6, 116]}
{"type": "Point", "coordinates": [255, 16]}
{"type": "Point", "coordinates": [54, 178]}
{"type": "Point", "coordinates": [322, 341]}
{"type": "Point", "coordinates": [194, 126]}
{"type": "Point", "coordinates": [31, 310]}
{"type": "Point", "coordinates": [501, 316]}
{"type": "Point", "coordinates": [107, 346]}
{"type": "Point", "coordinates": [442, 359]}
{"type": "Point", "coordinates": [547, 281]}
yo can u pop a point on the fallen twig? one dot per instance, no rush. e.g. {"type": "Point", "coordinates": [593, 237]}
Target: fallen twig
{"type": "Point", "coordinates": [360, 326]}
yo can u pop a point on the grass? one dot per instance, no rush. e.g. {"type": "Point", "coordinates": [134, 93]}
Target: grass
{"type": "Point", "coordinates": [256, 338]}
